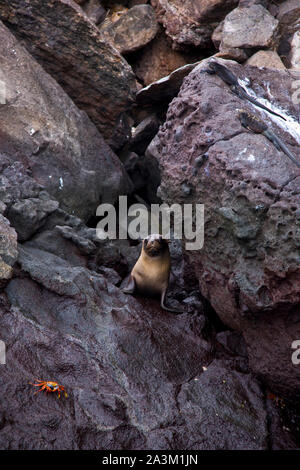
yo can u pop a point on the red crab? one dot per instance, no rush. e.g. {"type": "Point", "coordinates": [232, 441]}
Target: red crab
{"type": "Point", "coordinates": [49, 387]}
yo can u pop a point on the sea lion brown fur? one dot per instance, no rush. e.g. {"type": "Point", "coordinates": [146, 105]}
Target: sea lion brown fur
{"type": "Point", "coordinates": [150, 275]}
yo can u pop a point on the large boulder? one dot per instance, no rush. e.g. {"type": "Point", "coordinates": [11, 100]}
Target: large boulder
{"type": "Point", "coordinates": [164, 89]}
{"type": "Point", "coordinates": [135, 28]}
{"type": "Point", "coordinates": [70, 48]}
{"type": "Point", "coordinates": [248, 267]}
{"type": "Point", "coordinates": [191, 23]}
{"type": "Point", "coordinates": [249, 27]}
{"type": "Point", "coordinates": [48, 146]}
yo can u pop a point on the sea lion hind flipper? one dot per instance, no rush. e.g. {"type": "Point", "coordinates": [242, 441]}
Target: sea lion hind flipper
{"type": "Point", "coordinates": [130, 288]}
{"type": "Point", "coordinates": [168, 309]}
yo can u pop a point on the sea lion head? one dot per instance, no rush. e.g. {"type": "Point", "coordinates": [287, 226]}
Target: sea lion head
{"type": "Point", "coordinates": [155, 245]}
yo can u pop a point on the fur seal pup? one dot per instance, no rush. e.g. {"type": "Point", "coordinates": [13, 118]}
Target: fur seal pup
{"type": "Point", "coordinates": [150, 274]}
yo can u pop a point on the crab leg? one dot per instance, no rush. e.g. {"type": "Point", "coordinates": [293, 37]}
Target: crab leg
{"type": "Point", "coordinates": [43, 388]}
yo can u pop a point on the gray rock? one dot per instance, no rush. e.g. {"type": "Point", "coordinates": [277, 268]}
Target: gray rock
{"type": "Point", "coordinates": [8, 250]}
{"type": "Point", "coordinates": [294, 53]}
{"type": "Point", "coordinates": [94, 11]}
{"type": "Point", "coordinates": [191, 23]}
{"type": "Point", "coordinates": [58, 150]}
{"type": "Point", "coordinates": [90, 70]}
{"type": "Point", "coordinates": [143, 134]}
{"type": "Point", "coordinates": [136, 169]}
{"type": "Point", "coordinates": [135, 28]}
{"type": "Point", "coordinates": [288, 16]}
{"type": "Point", "coordinates": [165, 88]}
{"type": "Point", "coordinates": [29, 215]}
{"type": "Point", "coordinates": [53, 242]}
{"type": "Point", "coordinates": [249, 27]}
{"type": "Point", "coordinates": [268, 59]}
{"type": "Point", "coordinates": [26, 204]}
{"type": "Point", "coordinates": [233, 342]}
{"type": "Point", "coordinates": [226, 408]}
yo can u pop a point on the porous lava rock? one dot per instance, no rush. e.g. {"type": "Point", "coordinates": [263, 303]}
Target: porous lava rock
{"type": "Point", "coordinates": [248, 267]}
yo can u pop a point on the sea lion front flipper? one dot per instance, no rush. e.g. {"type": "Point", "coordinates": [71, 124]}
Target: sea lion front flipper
{"type": "Point", "coordinates": [130, 288]}
{"type": "Point", "coordinates": [168, 309]}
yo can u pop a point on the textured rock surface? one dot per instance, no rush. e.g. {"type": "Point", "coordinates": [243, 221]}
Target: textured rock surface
{"type": "Point", "coordinates": [289, 16]}
{"type": "Point", "coordinates": [192, 22]}
{"type": "Point", "coordinates": [136, 28]}
{"type": "Point", "coordinates": [267, 59]}
{"type": "Point", "coordinates": [165, 88]}
{"type": "Point", "coordinates": [158, 60]}
{"type": "Point", "coordinates": [132, 3]}
{"type": "Point", "coordinates": [71, 50]}
{"type": "Point", "coordinates": [232, 53]}
{"type": "Point", "coordinates": [269, 344]}
{"type": "Point", "coordinates": [8, 250]}
{"type": "Point", "coordinates": [139, 377]}
{"type": "Point", "coordinates": [248, 28]}
{"type": "Point", "coordinates": [94, 11]}
{"type": "Point", "coordinates": [294, 54]}
{"type": "Point", "coordinates": [27, 204]}
{"type": "Point", "coordinates": [143, 134]}
{"type": "Point", "coordinates": [53, 141]}
{"type": "Point", "coordinates": [134, 373]}
{"type": "Point", "coordinates": [249, 265]}
{"type": "Point", "coordinates": [28, 215]}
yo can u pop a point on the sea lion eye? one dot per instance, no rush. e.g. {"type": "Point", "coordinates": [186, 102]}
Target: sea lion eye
{"type": "Point", "coordinates": [145, 241]}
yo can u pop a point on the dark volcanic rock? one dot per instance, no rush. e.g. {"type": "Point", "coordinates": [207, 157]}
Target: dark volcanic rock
{"type": "Point", "coordinates": [133, 163]}
{"type": "Point", "coordinates": [27, 204]}
{"type": "Point", "coordinates": [191, 23]}
{"type": "Point", "coordinates": [94, 11]}
{"type": "Point", "coordinates": [69, 47]}
{"type": "Point", "coordinates": [249, 265]}
{"type": "Point", "coordinates": [48, 144]}
{"type": "Point", "coordinates": [288, 16]}
{"type": "Point", "coordinates": [137, 377]}
{"type": "Point", "coordinates": [158, 59]}
{"type": "Point", "coordinates": [269, 345]}
{"type": "Point", "coordinates": [164, 89]}
{"type": "Point", "coordinates": [28, 215]}
{"type": "Point", "coordinates": [68, 238]}
{"type": "Point", "coordinates": [215, 398]}
{"type": "Point", "coordinates": [136, 28]}
{"type": "Point", "coordinates": [8, 250]}
{"type": "Point", "coordinates": [144, 133]}
{"type": "Point", "coordinates": [132, 3]}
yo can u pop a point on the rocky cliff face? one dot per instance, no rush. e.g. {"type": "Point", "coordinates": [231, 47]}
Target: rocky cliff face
{"type": "Point", "coordinates": [106, 98]}
{"type": "Point", "coordinates": [249, 265]}
{"type": "Point", "coordinates": [45, 135]}
{"type": "Point", "coordinates": [71, 49]}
